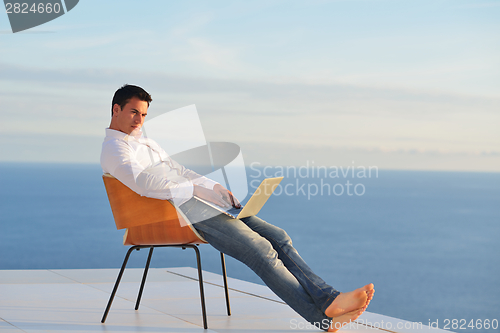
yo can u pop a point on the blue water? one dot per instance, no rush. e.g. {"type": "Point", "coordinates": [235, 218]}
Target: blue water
{"type": "Point", "coordinates": [429, 241]}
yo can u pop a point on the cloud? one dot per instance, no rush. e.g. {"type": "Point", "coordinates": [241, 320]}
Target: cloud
{"type": "Point", "coordinates": [205, 53]}
{"type": "Point", "coordinates": [256, 113]}
{"type": "Point", "coordinates": [478, 5]}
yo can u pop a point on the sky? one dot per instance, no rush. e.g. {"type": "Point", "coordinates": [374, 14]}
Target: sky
{"type": "Point", "coordinates": [412, 85]}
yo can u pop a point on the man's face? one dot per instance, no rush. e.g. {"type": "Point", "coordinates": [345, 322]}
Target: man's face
{"type": "Point", "coordinates": [131, 117]}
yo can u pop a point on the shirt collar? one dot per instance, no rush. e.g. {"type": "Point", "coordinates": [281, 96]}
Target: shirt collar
{"type": "Point", "coordinates": [136, 134]}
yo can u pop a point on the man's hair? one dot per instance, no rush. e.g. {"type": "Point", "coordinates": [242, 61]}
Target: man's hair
{"type": "Point", "coordinates": [126, 93]}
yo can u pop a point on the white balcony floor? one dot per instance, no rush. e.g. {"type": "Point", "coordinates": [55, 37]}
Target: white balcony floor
{"type": "Point", "coordinates": [74, 301]}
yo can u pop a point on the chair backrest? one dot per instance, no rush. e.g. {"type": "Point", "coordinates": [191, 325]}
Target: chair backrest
{"type": "Point", "coordinates": [148, 221]}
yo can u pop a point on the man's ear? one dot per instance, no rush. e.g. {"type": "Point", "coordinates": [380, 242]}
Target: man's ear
{"type": "Point", "coordinates": [116, 109]}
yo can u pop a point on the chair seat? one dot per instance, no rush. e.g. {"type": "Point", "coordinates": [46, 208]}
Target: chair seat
{"type": "Point", "coordinates": [148, 221]}
{"type": "Point", "coordinates": [160, 233]}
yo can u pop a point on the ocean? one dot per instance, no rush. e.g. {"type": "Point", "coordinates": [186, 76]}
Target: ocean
{"type": "Point", "coordinates": [429, 241]}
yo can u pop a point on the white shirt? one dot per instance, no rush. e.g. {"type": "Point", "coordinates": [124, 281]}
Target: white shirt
{"type": "Point", "coordinates": [142, 165]}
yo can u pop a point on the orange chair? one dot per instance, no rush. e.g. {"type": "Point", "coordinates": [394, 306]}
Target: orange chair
{"type": "Point", "coordinates": [153, 223]}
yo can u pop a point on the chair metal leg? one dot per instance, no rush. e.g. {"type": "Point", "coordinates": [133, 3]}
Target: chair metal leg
{"type": "Point", "coordinates": [118, 279]}
{"type": "Point", "coordinates": [146, 269]}
{"type": "Point", "coordinates": [224, 276]}
{"type": "Point", "coordinates": [200, 279]}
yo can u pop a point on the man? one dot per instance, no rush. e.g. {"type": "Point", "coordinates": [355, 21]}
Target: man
{"type": "Point", "coordinates": [143, 166]}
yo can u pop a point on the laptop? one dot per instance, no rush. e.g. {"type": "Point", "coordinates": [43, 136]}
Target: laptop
{"type": "Point", "coordinates": [254, 204]}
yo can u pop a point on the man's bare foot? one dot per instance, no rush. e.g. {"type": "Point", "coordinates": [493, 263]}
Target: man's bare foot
{"type": "Point", "coordinates": [338, 322]}
{"type": "Point", "coordinates": [350, 301]}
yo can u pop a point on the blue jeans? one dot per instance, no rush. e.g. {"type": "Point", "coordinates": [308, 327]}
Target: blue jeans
{"type": "Point", "coordinates": [268, 251]}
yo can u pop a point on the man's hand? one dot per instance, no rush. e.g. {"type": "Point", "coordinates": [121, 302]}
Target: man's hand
{"type": "Point", "coordinates": [219, 195]}
{"type": "Point", "coordinates": [227, 196]}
